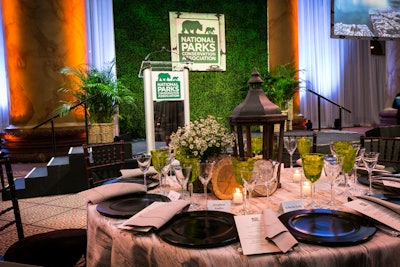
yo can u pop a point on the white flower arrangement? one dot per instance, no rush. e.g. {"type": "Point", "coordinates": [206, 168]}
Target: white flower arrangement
{"type": "Point", "coordinates": [201, 138]}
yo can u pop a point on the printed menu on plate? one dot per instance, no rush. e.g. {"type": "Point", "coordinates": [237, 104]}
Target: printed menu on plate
{"type": "Point", "coordinates": [252, 236]}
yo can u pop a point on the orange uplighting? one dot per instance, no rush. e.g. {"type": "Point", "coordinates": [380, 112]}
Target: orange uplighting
{"type": "Point", "coordinates": [41, 37]}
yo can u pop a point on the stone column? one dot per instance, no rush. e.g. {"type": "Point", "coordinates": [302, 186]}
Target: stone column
{"type": "Point", "coordinates": [41, 37]}
{"type": "Point", "coordinates": [283, 43]}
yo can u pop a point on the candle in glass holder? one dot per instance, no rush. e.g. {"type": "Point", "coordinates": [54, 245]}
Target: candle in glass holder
{"type": "Point", "coordinates": [237, 196]}
{"type": "Point", "coordinates": [296, 176]}
{"type": "Point", "coordinates": [306, 189]}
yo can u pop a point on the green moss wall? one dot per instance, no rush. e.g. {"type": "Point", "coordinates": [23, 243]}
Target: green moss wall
{"type": "Point", "coordinates": [142, 27]}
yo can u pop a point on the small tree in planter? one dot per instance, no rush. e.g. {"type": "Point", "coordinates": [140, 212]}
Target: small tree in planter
{"type": "Point", "coordinates": [104, 91]}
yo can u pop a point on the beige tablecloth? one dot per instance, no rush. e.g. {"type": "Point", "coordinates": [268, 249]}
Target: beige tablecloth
{"type": "Point", "coordinates": [110, 246]}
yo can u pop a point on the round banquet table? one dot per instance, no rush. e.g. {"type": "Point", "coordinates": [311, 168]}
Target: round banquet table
{"type": "Point", "coordinates": [110, 246]}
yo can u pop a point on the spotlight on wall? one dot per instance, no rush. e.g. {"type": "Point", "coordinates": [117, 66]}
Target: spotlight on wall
{"type": "Point", "coordinates": [377, 47]}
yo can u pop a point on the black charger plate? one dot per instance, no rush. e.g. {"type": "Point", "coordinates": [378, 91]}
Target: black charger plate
{"type": "Point", "coordinates": [327, 227]}
{"type": "Point", "coordinates": [200, 229]}
{"type": "Point", "coordinates": [128, 205]}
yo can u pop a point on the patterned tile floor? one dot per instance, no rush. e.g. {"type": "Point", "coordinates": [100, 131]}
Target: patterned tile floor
{"type": "Point", "coordinates": [44, 214]}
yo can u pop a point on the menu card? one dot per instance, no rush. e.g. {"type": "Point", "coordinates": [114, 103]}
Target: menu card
{"type": "Point", "coordinates": [375, 208]}
{"type": "Point", "coordinates": [263, 233]}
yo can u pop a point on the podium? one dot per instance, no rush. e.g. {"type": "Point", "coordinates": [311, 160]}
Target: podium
{"type": "Point", "coordinates": [163, 81]}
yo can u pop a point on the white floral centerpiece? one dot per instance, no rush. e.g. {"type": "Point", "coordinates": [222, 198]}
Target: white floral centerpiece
{"type": "Point", "coordinates": [202, 138]}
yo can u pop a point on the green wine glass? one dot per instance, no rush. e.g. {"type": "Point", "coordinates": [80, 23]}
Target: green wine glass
{"type": "Point", "coordinates": [313, 164]}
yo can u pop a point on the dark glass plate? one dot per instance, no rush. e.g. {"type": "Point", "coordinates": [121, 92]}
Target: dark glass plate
{"type": "Point", "coordinates": [128, 205]}
{"type": "Point", "coordinates": [392, 198]}
{"type": "Point", "coordinates": [378, 184]}
{"type": "Point", "coordinates": [200, 229]}
{"type": "Point", "coordinates": [327, 227]}
{"type": "Point", "coordinates": [151, 182]}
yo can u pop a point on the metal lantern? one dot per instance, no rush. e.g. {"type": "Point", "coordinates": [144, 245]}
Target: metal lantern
{"type": "Point", "coordinates": [258, 110]}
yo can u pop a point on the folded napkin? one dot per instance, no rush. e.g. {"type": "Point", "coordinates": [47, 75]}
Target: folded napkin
{"type": "Point", "coordinates": [107, 191]}
{"type": "Point", "coordinates": [155, 215]}
{"type": "Point", "coordinates": [392, 206]}
{"type": "Point", "coordinates": [129, 173]}
{"type": "Point", "coordinates": [276, 232]}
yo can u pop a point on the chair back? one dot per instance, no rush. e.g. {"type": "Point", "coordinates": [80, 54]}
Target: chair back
{"type": "Point", "coordinates": [388, 148]}
{"type": "Point", "coordinates": [103, 162]}
{"type": "Point", "coordinates": [7, 184]}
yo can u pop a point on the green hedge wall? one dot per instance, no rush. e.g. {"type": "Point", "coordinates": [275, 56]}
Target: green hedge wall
{"type": "Point", "coordinates": [142, 27]}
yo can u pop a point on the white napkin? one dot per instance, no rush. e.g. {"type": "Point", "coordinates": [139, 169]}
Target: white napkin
{"type": "Point", "coordinates": [276, 232]}
{"type": "Point", "coordinates": [104, 192]}
{"type": "Point", "coordinates": [155, 215]}
{"type": "Point", "coordinates": [392, 206]}
{"type": "Point", "coordinates": [129, 173]}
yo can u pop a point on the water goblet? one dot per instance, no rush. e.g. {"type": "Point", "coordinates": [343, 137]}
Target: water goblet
{"type": "Point", "coordinates": [290, 143]}
{"type": "Point", "coordinates": [182, 173]}
{"type": "Point", "coordinates": [303, 145]}
{"type": "Point", "coordinates": [249, 178]}
{"type": "Point", "coordinates": [144, 162]}
{"type": "Point", "coordinates": [161, 161]}
{"type": "Point", "coordinates": [266, 170]}
{"type": "Point", "coordinates": [206, 170]}
{"type": "Point", "coordinates": [332, 168]}
{"type": "Point", "coordinates": [312, 168]}
{"type": "Point", "coordinates": [370, 159]}
{"type": "Point", "coordinates": [349, 151]}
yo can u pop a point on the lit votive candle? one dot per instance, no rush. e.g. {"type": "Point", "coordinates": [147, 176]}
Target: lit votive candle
{"type": "Point", "coordinates": [296, 176]}
{"type": "Point", "coordinates": [306, 189]}
{"type": "Point", "coordinates": [237, 197]}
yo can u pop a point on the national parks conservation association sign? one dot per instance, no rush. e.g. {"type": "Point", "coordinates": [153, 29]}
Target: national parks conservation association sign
{"type": "Point", "coordinates": [199, 38]}
{"type": "Point", "coordinates": [167, 85]}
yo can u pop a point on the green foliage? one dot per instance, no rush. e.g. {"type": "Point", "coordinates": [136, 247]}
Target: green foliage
{"type": "Point", "coordinates": [281, 83]}
{"type": "Point", "coordinates": [142, 27]}
{"type": "Point", "coordinates": [104, 91]}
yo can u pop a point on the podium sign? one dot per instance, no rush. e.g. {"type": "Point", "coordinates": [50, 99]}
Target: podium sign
{"type": "Point", "coordinates": [167, 85]}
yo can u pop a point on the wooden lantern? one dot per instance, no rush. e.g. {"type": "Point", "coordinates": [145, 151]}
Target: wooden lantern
{"type": "Point", "coordinates": [257, 110]}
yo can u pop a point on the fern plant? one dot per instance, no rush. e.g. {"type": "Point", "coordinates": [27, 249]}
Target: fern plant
{"type": "Point", "coordinates": [102, 90]}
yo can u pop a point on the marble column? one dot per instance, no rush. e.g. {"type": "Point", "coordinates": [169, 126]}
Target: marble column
{"type": "Point", "coordinates": [283, 43]}
{"type": "Point", "coordinates": [41, 37]}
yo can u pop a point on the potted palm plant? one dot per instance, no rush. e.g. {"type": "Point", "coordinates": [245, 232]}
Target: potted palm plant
{"type": "Point", "coordinates": [281, 83]}
{"type": "Point", "coordinates": [102, 91]}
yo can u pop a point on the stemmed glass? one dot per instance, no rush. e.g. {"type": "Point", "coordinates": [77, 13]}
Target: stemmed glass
{"type": "Point", "coordinates": [182, 173]}
{"type": "Point", "coordinates": [332, 168]}
{"type": "Point", "coordinates": [303, 145]}
{"type": "Point", "coordinates": [359, 157]}
{"type": "Point", "coordinates": [349, 151]}
{"type": "Point", "coordinates": [249, 178]}
{"type": "Point", "coordinates": [290, 145]}
{"type": "Point", "coordinates": [161, 160]}
{"type": "Point", "coordinates": [206, 170]}
{"type": "Point", "coordinates": [144, 162]}
{"type": "Point", "coordinates": [370, 159]}
{"type": "Point", "coordinates": [312, 167]}
{"type": "Point", "coordinates": [266, 176]}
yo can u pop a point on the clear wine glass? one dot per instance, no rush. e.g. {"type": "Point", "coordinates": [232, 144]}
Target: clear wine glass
{"type": "Point", "coordinates": [312, 167]}
{"type": "Point", "coordinates": [206, 170]}
{"type": "Point", "coordinates": [266, 177]}
{"type": "Point", "coordinates": [249, 178]}
{"type": "Point", "coordinates": [144, 162]}
{"type": "Point", "coordinates": [370, 159]}
{"type": "Point", "coordinates": [359, 157]}
{"type": "Point", "coordinates": [182, 173]}
{"type": "Point", "coordinates": [290, 143]}
{"type": "Point", "coordinates": [332, 168]}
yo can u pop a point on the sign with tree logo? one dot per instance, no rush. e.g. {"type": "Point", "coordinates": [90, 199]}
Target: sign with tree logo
{"type": "Point", "coordinates": [167, 85]}
{"type": "Point", "coordinates": [199, 38]}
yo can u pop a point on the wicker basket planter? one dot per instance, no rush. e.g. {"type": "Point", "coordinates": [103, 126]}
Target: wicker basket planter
{"type": "Point", "coordinates": [101, 133]}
